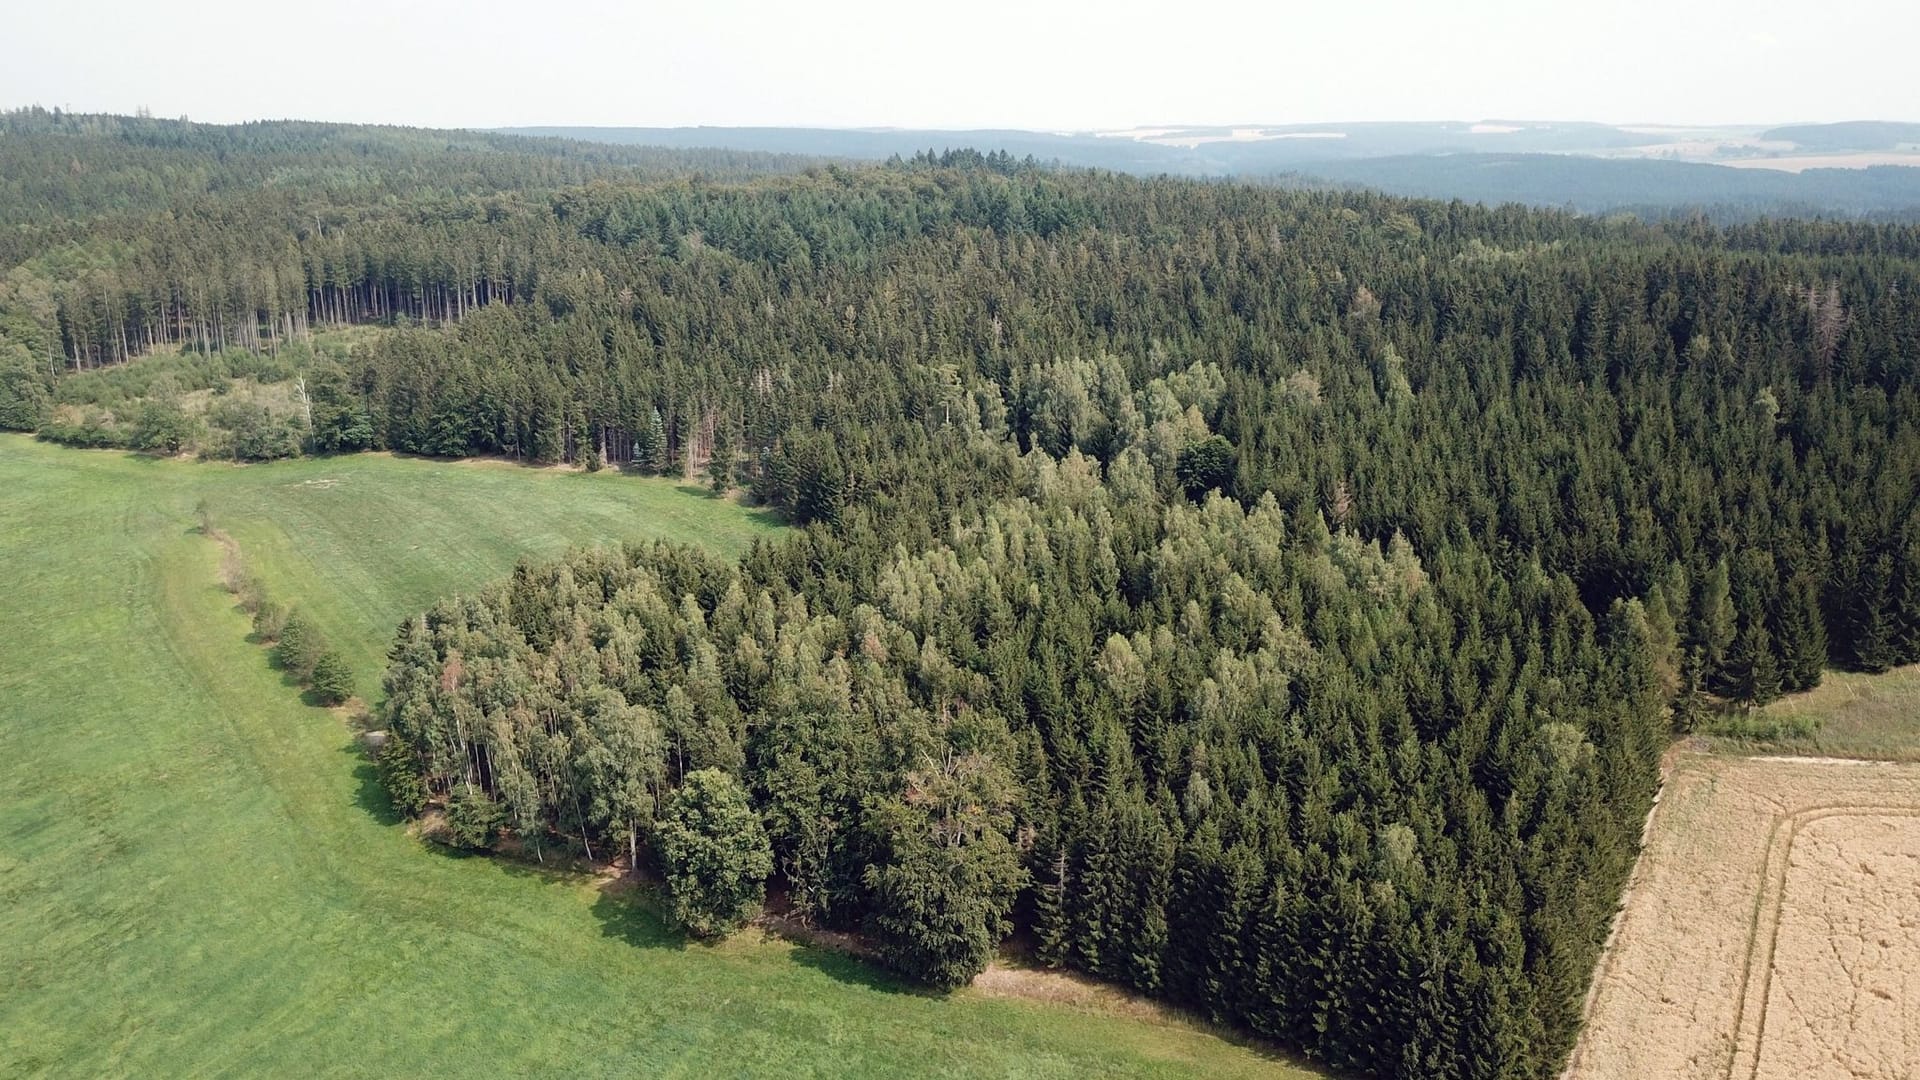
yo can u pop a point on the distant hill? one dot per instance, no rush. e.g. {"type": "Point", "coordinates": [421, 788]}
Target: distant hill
{"type": "Point", "coordinates": [1120, 155]}
{"type": "Point", "coordinates": [1208, 150]}
{"type": "Point", "coordinates": [1599, 185]}
{"type": "Point", "coordinates": [1194, 151]}
{"type": "Point", "coordinates": [1853, 135]}
{"type": "Point", "coordinates": [57, 165]}
{"type": "Point", "coordinates": [1543, 164]}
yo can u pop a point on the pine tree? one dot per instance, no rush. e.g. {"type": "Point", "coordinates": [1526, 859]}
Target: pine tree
{"type": "Point", "coordinates": [269, 620]}
{"type": "Point", "coordinates": [1904, 605]}
{"type": "Point", "coordinates": [720, 466]}
{"type": "Point", "coordinates": [1205, 465]}
{"type": "Point", "coordinates": [332, 678]}
{"type": "Point", "coordinates": [659, 454]}
{"type": "Point", "coordinates": [1716, 623]}
{"type": "Point", "coordinates": [1801, 634]}
{"type": "Point", "coordinates": [300, 646]}
{"type": "Point", "coordinates": [1753, 671]}
{"type": "Point", "coordinates": [1876, 640]}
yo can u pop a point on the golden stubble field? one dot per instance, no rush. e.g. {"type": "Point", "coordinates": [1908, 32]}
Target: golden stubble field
{"type": "Point", "coordinates": [1771, 930]}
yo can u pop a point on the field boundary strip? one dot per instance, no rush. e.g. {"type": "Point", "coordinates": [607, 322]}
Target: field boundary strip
{"type": "Point", "coordinates": [1609, 955]}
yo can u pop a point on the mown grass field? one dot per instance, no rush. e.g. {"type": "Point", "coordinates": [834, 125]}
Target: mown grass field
{"type": "Point", "coordinates": [198, 874]}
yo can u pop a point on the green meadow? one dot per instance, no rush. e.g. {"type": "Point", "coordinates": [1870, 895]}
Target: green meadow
{"type": "Point", "coordinates": [200, 877]}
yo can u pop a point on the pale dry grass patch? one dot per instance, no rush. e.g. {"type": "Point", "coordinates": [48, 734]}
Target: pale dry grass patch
{"type": "Point", "coordinates": [279, 398]}
{"type": "Point", "coordinates": [1849, 715]}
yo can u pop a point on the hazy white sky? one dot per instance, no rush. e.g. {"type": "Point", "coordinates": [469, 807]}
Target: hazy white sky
{"type": "Point", "coordinates": [974, 63]}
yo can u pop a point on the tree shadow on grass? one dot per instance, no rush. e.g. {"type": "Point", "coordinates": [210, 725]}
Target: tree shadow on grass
{"type": "Point", "coordinates": [764, 515]}
{"type": "Point", "coordinates": [768, 516]}
{"type": "Point", "coordinates": [369, 793]}
{"type": "Point", "coordinates": [855, 971]}
{"type": "Point", "coordinates": [292, 681]}
{"type": "Point", "coordinates": [627, 912]}
{"type": "Point", "coordinates": [1081, 992]}
{"type": "Point", "coordinates": [631, 910]}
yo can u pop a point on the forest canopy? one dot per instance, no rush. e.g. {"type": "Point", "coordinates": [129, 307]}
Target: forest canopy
{"type": "Point", "coordinates": [1275, 601]}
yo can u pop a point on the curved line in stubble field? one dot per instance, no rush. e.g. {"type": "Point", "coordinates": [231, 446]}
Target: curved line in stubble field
{"type": "Point", "coordinates": [1767, 905]}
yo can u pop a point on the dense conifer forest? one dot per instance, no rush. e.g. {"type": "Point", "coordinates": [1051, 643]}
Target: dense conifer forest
{"type": "Point", "coordinates": [1275, 601]}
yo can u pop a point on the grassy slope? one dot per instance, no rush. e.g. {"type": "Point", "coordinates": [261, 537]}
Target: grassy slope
{"type": "Point", "coordinates": [197, 873]}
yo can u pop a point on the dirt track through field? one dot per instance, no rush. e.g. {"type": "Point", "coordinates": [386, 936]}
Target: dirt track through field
{"type": "Point", "coordinates": [1772, 929]}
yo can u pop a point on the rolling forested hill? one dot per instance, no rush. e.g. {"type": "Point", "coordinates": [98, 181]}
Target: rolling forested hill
{"type": "Point", "coordinates": [1653, 189]}
{"type": "Point", "coordinates": [1275, 601]}
{"type": "Point", "coordinates": [1592, 168]}
{"type": "Point", "coordinates": [1857, 135]}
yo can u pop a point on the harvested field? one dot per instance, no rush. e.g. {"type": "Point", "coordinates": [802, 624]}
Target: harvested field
{"type": "Point", "coordinates": [1846, 961]}
{"type": "Point", "coordinates": [1772, 928]}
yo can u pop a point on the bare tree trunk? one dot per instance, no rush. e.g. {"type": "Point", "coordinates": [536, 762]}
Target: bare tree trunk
{"type": "Point", "coordinates": [581, 818]}
{"type": "Point", "coordinates": [306, 407]}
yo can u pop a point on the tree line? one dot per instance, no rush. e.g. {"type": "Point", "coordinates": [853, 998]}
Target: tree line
{"type": "Point", "coordinates": [295, 644]}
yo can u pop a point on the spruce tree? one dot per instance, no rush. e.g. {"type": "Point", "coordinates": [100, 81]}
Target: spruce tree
{"type": "Point", "coordinates": [1753, 671]}
{"type": "Point", "coordinates": [1052, 933]}
{"type": "Point", "coordinates": [300, 646]}
{"type": "Point", "coordinates": [1904, 605]}
{"type": "Point", "coordinates": [1801, 634]}
{"type": "Point", "coordinates": [720, 466]}
{"type": "Point", "coordinates": [1716, 624]}
{"type": "Point", "coordinates": [474, 819]}
{"type": "Point", "coordinates": [399, 774]}
{"type": "Point", "coordinates": [659, 454]}
{"type": "Point", "coordinates": [1876, 640]}
{"type": "Point", "coordinates": [332, 678]}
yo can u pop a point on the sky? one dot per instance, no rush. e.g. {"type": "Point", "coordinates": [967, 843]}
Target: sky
{"type": "Point", "coordinates": [982, 63]}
